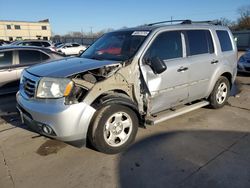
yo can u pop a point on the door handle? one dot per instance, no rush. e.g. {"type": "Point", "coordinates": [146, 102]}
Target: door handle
{"type": "Point", "coordinates": [214, 62]}
{"type": "Point", "coordinates": [182, 69]}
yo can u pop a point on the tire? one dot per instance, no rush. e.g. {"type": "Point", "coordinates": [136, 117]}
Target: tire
{"type": "Point", "coordinates": [220, 93]}
{"type": "Point", "coordinates": [114, 128]}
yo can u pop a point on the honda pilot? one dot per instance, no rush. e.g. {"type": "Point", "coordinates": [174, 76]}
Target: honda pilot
{"type": "Point", "coordinates": [130, 77]}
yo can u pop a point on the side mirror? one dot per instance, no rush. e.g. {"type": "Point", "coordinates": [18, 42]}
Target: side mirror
{"type": "Point", "coordinates": [157, 65]}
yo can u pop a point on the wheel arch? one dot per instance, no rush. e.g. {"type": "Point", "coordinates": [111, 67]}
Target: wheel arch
{"type": "Point", "coordinates": [109, 98]}
{"type": "Point", "coordinates": [214, 79]}
{"type": "Point", "coordinates": [229, 76]}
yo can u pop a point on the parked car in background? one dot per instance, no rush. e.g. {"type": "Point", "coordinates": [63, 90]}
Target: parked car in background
{"type": "Point", "coordinates": [3, 42]}
{"type": "Point", "coordinates": [244, 63]}
{"type": "Point", "coordinates": [57, 44]}
{"type": "Point", "coordinates": [39, 43]}
{"type": "Point", "coordinates": [71, 48]}
{"type": "Point", "coordinates": [13, 59]}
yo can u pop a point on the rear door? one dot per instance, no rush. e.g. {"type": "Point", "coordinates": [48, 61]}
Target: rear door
{"type": "Point", "coordinates": [169, 88]}
{"type": "Point", "coordinates": [7, 72]}
{"type": "Point", "coordinates": [202, 61]}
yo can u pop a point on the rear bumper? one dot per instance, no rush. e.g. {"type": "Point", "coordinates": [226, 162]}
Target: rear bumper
{"type": "Point", "coordinates": [69, 123]}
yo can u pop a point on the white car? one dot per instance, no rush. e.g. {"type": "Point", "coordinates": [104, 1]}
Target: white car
{"type": "Point", "coordinates": [71, 48]}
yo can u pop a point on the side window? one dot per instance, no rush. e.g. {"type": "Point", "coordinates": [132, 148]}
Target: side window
{"type": "Point", "coordinates": [75, 45]}
{"type": "Point", "coordinates": [45, 44]}
{"type": "Point", "coordinates": [167, 45]}
{"type": "Point", "coordinates": [5, 58]}
{"type": "Point", "coordinates": [35, 44]}
{"type": "Point", "coordinates": [44, 57]}
{"type": "Point", "coordinates": [29, 56]}
{"type": "Point", "coordinates": [199, 42]}
{"type": "Point", "coordinates": [225, 41]}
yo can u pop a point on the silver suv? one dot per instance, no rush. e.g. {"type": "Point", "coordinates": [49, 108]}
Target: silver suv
{"type": "Point", "coordinates": [143, 75]}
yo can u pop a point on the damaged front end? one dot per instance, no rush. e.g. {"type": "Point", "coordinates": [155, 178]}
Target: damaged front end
{"type": "Point", "coordinates": [84, 82]}
{"type": "Point", "coordinates": [72, 90]}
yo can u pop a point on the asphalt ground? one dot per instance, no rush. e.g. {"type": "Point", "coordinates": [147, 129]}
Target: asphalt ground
{"type": "Point", "coordinates": [203, 148]}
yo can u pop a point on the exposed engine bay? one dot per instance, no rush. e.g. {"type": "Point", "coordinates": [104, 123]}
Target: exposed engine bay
{"type": "Point", "coordinates": [99, 74]}
{"type": "Point", "coordinates": [86, 80]}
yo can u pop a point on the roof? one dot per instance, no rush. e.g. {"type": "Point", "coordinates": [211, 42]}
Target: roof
{"type": "Point", "coordinates": [40, 21]}
{"type": "Point", "coordinates": [9, 47]}
{"type": "Point", "coordinates": [183, 24]}
{"type": "Point", "coordinates": [31, 40]}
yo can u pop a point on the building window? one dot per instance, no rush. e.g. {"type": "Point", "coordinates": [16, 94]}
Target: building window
{"type": "Point", "coordinates": [17, 27]}
{"type": "Point", "coordinates": [8, 26]}
{"type": "Point", "coordinates": [45, 38]}
{"type": "Point", "coordinates": [19, 38]}
{"type": "Point", "coordinates": [10, 38]}
{"type": "Point", "coordinates": [44, 27]}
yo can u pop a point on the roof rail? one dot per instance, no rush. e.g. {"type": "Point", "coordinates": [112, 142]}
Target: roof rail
{"type": "Point", "coordinates": [214, 22]}
{"type": "Point", "coordinates": [169, 21]}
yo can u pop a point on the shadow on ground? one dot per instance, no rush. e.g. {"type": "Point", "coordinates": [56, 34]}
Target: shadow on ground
{"type": "Point", "coordinates": [8, 111]}
{"type": "Point", "coordinates": [188, 159]}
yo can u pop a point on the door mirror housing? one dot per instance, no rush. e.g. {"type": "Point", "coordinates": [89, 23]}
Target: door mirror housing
{"type": "Point", "coordinates": [157, 65]}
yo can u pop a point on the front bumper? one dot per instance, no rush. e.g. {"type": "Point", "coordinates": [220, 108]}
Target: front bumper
{"type": "Point", "coordinates": [69, 122]}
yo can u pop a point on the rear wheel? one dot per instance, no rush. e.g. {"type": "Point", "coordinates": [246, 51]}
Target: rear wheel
{"type": "Point", "coordinates": [220, 93]}
{"type": "Point", "coordinates": [114, 128]}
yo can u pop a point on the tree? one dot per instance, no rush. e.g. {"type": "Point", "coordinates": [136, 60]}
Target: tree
{"type": "Point", "coordinates": [244, 20]}
{"type": "Point", "coordinates": [226, 22]}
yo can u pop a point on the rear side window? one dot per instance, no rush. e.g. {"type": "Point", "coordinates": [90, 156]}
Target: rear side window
{"type": "Point", "coordinates": [166, 46]}
{"type": "Point", "coordinates": [225, 41]}
{"type": "Point", "coordinates": [45, 44]}
{"type": "Point", "coordinates": [199, 42]}
{"type": "Point", "coordinates": [35, 44]}
{"type": "Point", "coordinates": [29, 56]}
{"type": "Point", "coordinates": [44, 57]}
{"type": "Point", "coordinates": [5, 58]}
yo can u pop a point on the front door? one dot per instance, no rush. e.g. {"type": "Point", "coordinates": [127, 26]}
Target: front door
{"type": "Point", "coordinates": [7, 73]}
{"type": "Point", "coordinates": [169, 88]}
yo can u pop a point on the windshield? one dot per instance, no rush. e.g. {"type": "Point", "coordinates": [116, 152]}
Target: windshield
{"type": "Point", "coordinates": [15, 43]}
{"type": "Point", "coordinates": [60, 45]}
{"type": "Point", "coordinates": [117, 46]}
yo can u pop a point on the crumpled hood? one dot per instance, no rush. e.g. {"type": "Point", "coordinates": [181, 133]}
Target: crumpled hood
{"type": "Point", "coordinates": [67, 67]}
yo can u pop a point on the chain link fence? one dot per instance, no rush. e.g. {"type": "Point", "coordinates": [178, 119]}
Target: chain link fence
{"type": "Point", "coordinates": [80, 40]}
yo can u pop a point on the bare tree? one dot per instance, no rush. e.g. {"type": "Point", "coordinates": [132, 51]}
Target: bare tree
{"type": "Point", "coordinates": [226, 22]}
{"type": "Point", "coordinates": [244, 20]}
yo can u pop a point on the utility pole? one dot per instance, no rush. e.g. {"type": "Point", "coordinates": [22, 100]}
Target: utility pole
{"type": "Point", "coordinates": [171, 19]}
{"type": "Point", "coordinates": [91, 31]}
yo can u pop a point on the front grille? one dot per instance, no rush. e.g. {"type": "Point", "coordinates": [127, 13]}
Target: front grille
{"type": "Point", "coordinates": [29, 86]}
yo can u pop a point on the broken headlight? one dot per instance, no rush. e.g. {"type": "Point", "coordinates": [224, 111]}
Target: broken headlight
{"type": "Point", "coordinates": [54, 87]}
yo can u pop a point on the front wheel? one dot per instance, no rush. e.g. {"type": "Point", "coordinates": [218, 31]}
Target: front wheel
{"type": "Point", "coordinates": [220, 93]}
{"type": "Point", "coordinates": [114, 128]}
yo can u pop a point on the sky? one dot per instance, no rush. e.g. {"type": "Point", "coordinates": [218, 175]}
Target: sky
{"type": "Point", "coordinates": [79, 15]}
